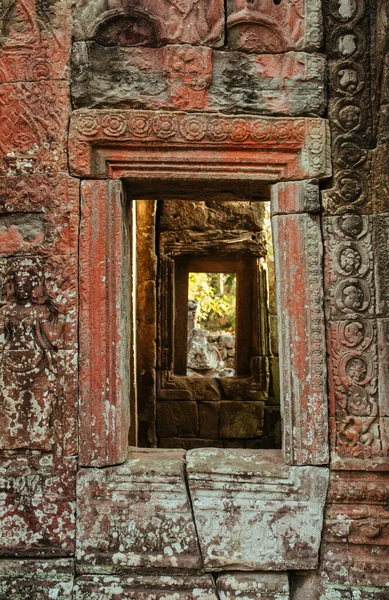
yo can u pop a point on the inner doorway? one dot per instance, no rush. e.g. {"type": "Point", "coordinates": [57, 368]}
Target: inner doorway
{"type": "Point", "coordinates": [207, 349]}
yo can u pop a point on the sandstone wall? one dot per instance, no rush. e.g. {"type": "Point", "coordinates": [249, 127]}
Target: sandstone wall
{"type": "Point", "coordinates": [172, 80]}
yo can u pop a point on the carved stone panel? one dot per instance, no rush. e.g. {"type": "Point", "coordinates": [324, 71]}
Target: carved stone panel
{"type": "Point", "coordinates": [136, 515]}
{"type": "Point", "coordinates": [35, 41]}
{"type": "Point", "coordinates": [150, 22]}
{"type": "Point", "coordinates": [253, 512]}
{"type": "Point", "coordinates": [38, 377]}
{"type": "Point", "coordinates": [37, 505]}
{"type": "Point", "coordinates": [298, 264]}
{"type": "Point", "coordinates": [268, 26]}
{"type": "Point", "coordinates": [33, 127]}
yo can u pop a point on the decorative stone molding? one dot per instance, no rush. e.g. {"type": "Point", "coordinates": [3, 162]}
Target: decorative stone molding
{"type": "Point", "coordinates": [253, 512]}
{"type": "Point", "coordinates": [187, 146]}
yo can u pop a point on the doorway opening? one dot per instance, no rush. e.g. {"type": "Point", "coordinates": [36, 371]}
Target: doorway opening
{"type": "Point", "coordinates": [207, 350]}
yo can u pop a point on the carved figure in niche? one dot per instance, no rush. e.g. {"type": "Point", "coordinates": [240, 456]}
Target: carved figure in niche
{"type": "Point", "coordinates": [30, 327]}
{"type": "Point", "coordinates": [357, 433]}
{"type": "Point", "coordinates": [353, 297]}
{"type": "Point", "coordinates": [356, 370]}
{"type": "Point", "coordinates": [350, 117]}
{"type": "Point", "coordinates": [350, 188]}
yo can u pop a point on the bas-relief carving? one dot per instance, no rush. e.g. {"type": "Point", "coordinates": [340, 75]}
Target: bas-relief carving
{"type": "Point", "coordinates": [31, 327]}
{"type": "Point", "coordinates": [33, 127]}
{"type": "Point", "coordinates": [268, 26]}
{"type": "Point", "coordinates": [148, 22]}
{"type": "Point", "coordinates": [261, 26]}
{"type": "Point", "coordinates": [35, 40]}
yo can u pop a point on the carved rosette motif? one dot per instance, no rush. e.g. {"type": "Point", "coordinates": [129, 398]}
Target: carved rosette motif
{"type": "Point", "coordinates": [349, 104]}
{"type": "Point", "coordinates": [353, 338]}
{"type": "Point", "coordinates": [307, 138]}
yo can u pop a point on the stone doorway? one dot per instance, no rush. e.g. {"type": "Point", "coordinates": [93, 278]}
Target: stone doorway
{"type": "Point", "coordinates": [197, 387]}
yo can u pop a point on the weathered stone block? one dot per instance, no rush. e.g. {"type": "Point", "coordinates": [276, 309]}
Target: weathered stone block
{"type": "Point", "coordinates": [295, 197]}
{"type": "Point", "coordinates": [298, 264]}
{"type": "Point", "coordinates": [254, 512]}
{"type": "Point", "coordinates": [190, 443]}
{"type": "Point", "coordinates": [274, 26]}
{"type": "Point", "coordinates": [209, 419]}
{"type": "Point", "coordinates": [136, 515]}
{"type": "Point", "coordinates": [33, 127]}
{"type": "Point", "coordinates": [37, 506]}
{"type": "Point", "coordinates": [36, 40]}
{"type": "Point", "coordinates": [177, 419]}
{"type": "Point", "coordinates": [240, 419]}
{"type": "Point", "coordinates": [253, 586]}
{"type": "Point", "coordinates": [46, 219]}
{"type": "Point", "coordinates": [190, 78]}
{"type": "Point", "coordinates": [145, 588]}
{"type": "Point", "coordinates": [157, 22]}
{"type": "Point", "coordinates": [36, 579]}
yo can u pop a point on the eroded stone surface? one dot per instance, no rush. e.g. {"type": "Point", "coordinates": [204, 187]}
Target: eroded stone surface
{"type": "Point", "coordinates": [253, 586]}
{"type": "Point", "coordinates": [254, 512]}
{"type": "Point", "coordinates": [37, 506]}
{"type": "Point", "coordinates": [269, 26]}
{"type": "Point", "coordinates": [149, 22]}
{"type": "Point", "coordinates": [136, 515]}
{"type": "Point", "coordinates": [36, 579]}
{"type": "Point", "coordinates": [168, 587]}
{"type": "Point", "coordinates": [190, 78]}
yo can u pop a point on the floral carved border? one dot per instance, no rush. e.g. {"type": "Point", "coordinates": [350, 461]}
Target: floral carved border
{"type": "Point", "coordinates": [269, 148]}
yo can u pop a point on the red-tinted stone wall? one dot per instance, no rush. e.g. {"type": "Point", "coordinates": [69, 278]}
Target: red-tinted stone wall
{"type": "Point", "coordinates": [143, 63]}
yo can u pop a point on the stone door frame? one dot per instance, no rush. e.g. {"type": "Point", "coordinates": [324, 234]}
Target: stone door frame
{"type": "Point", "coordinates": [289, 154]}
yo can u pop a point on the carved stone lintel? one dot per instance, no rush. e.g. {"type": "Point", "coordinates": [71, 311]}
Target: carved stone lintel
{"type": "Point", "coordinates": [207, 145]}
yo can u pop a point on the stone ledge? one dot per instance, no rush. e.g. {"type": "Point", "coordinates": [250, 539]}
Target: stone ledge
{"type": "Point", "coordinates": [253, 512]}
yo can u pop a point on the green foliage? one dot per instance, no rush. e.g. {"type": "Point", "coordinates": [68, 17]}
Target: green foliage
{"type": "Point", "coordinates": [216, 297]}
